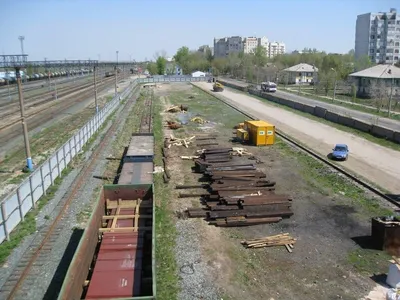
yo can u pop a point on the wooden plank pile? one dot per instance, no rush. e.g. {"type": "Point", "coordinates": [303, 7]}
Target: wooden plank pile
{"type": "Point", "coordinates": [276, 240]}
{"type": "Point", "coordinates": [237, 194]}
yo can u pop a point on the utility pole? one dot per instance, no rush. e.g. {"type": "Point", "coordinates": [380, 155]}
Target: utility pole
{"type": "Point", "coordinates": [116, 76]}
{"type": "Point", "coordinates": [21, 39]}
{"type": "Point", "coordinates": [8, 84]}
{"type": "Point", "coordinates": [334, 85]}
{"type": "Point", "coordinates": [29, 163]}
{"type": "Point", "coordinates": [391, 93]}
{"type": "Point", "coordinates": [95, 89]}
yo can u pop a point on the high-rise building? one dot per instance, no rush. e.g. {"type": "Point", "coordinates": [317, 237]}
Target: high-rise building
{"type": "Point", "coordinates": [378, 36]}
{"type": "Point", "coordinates": [223, 47]}
{"type": "Point", "coordinates": [276, 48]}
{"type": "Point", "coordinates": [250, 44]}
{"type": "Point", "coordinates": [235, 44]}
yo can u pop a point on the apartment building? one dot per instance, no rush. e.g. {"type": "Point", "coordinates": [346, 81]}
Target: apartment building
{"type": "Point", "coordinates": [276, 48]}
{"type": "Point", "coordinates": [224, 46]}
{"type": "Point", "coordinates": [250, 44]}
{"type": "Point", "coordinates": [378, 36]}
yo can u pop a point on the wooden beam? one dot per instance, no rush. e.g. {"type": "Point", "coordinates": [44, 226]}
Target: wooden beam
{"type": "Point", "coordinates": [127, 217]}
{"type": "Point", "coordinates": [115, 218]}
{"type": "Point", "coordinates": [123, 229]}
{"type": "Point", "coordinates": [127, 204]}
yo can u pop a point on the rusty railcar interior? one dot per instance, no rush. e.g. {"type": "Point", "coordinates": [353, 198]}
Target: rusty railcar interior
{"type": "Point", "coordinates": [115, 257]}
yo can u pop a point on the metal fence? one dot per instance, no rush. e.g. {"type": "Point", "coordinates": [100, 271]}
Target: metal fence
{"type": "Point", "coordinates": [18, 203]}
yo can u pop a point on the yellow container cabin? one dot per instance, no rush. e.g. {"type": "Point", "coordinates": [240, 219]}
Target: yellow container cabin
{"type": "Point", "coordinates": [260, 133]}
{"type": "Point", "coordinates": [242, 134]}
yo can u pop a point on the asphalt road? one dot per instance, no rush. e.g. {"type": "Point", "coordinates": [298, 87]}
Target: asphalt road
{"type": "Point", "coordinates": [336, 108]}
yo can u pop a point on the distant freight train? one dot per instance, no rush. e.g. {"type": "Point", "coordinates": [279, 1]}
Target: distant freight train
{"type": "Point", "coordinates": [111, 73]}
{"type": "Point", "coordinates": [10, 76]}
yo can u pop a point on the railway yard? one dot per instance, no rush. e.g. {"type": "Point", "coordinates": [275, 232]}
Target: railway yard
{"type": "Point", "coordinates": [164, 203]}
{"type": "Point", "coordinates": [50, 122]}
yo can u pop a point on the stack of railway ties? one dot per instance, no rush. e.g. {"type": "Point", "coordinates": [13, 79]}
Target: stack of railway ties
{"type": "Point", "coordinates": [237, 193]}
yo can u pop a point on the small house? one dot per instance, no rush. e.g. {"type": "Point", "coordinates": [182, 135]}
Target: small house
{"type": "Point", "coordinates": [300, 74]}
{"type": "Point", "coordinates": [378, 81]}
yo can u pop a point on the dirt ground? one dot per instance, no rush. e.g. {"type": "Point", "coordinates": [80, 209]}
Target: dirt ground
{"type": "Point", "coordinates": [376, 163]}
{"type": "Point", "coordinates": [326, 262]}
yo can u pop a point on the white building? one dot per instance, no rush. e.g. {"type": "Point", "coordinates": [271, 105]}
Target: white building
{"type": "Point", "coordinates": [224, 46]}
{"type": "Point", "coordinates": [378, 36]}
{"type": "Point", "coordinates": [198, 74]}
{"type": "Point", "coordinates": [250, 44]}
{"type": "Point", "coordinates": [276, 48]}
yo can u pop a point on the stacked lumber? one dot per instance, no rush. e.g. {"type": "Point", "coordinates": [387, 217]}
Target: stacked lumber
{"type": "Point", "coordinates": [276, 240]}
{"type": "Point", "coordinates": [237, 194]}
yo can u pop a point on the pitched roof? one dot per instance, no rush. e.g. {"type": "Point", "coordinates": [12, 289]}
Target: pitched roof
{"type": "Point", "coordinates": [379, 71]}
{"type": "Point", "coordinates": [301, 68]}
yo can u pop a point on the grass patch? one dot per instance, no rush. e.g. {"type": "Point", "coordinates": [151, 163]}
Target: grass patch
{"type": "Point", "coordinates": [367, 261]}
{"type": "Point", "coordinates": [326, 179]}
{"type": "Point", "coordinates": [367, 136]}
{"type": "Point", "coordinates": [346, 103]}
{"type": "Point", "coordinates": [166, 270]}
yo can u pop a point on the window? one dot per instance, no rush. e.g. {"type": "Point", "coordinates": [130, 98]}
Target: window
{"type": "Point", "coordinates": [300, 74]}
{"type": "Point", "coordinates": [397, 44]}
{"type": "Point", "coordinates": [379, 36]}
{"type": "Point", "coordinates": [396, 51]}
{"type": "Point", "coordinates": [396, 58]}
{"type": "Point", "coordinates": [398, 22]}
{"type": "Point", "coordinates": [372, 37]}
{"type": "Point", "coordinates": [371, 51]}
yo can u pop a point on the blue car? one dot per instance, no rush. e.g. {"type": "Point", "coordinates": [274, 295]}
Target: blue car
{"type": "Point", "coordinates": [340, 152]}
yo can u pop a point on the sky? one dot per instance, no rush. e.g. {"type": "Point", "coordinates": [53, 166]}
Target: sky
{"type": "Point", "coordinates": [96, 29]}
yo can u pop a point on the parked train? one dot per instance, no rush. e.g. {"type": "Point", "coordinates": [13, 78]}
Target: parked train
{"type": "Point", "coordinates": [112, 73]}
{"type": "Point", "coordinates": [10, 76]}
{"type": "Point", "coordinates": [115, 256]}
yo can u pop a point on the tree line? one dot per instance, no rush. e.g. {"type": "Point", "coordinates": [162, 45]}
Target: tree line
{"type": "Point", "coordinates": [258, 66]}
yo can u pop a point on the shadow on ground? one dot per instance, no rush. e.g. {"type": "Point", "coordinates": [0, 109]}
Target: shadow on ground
{"type": "Point", "coordinates": [59, 276]}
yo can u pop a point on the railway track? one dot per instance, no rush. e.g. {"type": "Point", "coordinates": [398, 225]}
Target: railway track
{"type": "Point", "coordinates": [45, 114]}
{"type": "Point", "coordinates": [8, 109]}
{"type": "Point", "coordinates": [146, 122]}
{"type": "Point", "coordinates": [39, 91]}
{"type": "Point", "coordinates": [312, 153]}
{"type": "Point", "coordinates": [17, 285]}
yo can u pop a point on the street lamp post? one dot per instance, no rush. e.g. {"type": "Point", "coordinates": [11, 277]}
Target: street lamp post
{"type": "Point", "coordinates": [29, 163]}
{"type": "Point", "coordinates": [391, 93]}
{"type": "Point", "coordinates": [334, 85]}
{"type": "Point", "coordinates": [116, 75]}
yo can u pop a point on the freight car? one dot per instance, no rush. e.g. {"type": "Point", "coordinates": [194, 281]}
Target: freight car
{"type": "Point", "coordinates": [115, 257]}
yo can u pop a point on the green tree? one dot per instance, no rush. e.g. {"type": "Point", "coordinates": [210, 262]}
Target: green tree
{"type": "Point", "coordinates": [362, 63]}
{"type": "Point", "coordinates": [161, 63]}
{"type": "Point", "coordinates": [260, 59]}
{"type": "Point", "coordinates": [152, 68]}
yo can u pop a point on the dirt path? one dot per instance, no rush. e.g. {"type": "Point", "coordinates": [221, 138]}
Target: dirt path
{"type": "Point", "coordinates": [375, 163]}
